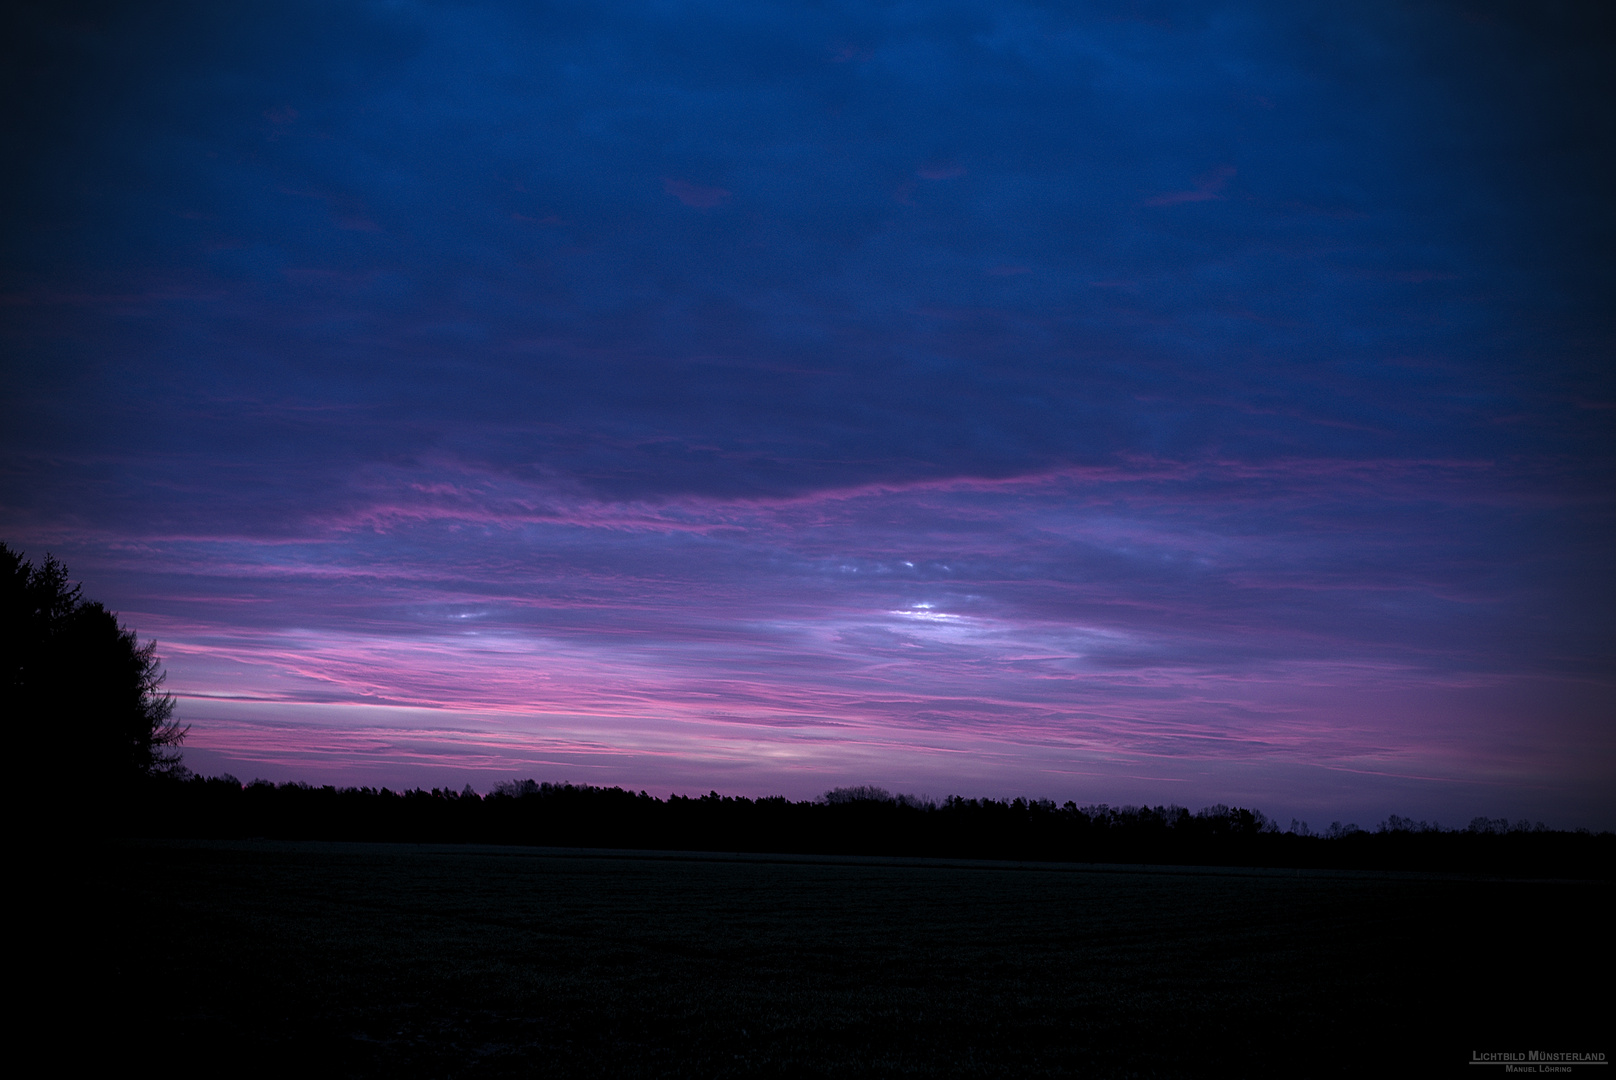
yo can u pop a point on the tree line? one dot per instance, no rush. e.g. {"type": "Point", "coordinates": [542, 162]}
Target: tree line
{"type": "Point", "coordinates": [864, 821]}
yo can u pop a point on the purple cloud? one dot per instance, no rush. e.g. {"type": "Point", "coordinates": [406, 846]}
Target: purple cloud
{"type": "Point", "coordinates": [1206, 188]}
{"type": "Point", "coordinates": [697, 195]}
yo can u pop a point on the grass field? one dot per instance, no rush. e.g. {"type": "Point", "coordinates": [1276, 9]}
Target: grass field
{"type": "Point", "coordinates": [443, 961]}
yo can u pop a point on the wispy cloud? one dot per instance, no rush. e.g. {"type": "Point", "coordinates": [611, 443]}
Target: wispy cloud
{"type": "Point", "coordinates": [1206, 188]}
{"type": "Point", "coordinates": [697, 195]}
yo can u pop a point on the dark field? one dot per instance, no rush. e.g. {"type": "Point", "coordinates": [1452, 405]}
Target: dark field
{"type": "Point", "coordinates": [442, 961]}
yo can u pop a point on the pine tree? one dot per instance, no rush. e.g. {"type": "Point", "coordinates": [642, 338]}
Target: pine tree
{"type": "Point", "coordinates": [81, 680]}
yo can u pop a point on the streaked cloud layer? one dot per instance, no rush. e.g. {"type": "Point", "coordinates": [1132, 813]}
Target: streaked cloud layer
{"type": "Point", "coordinates": [1177, 402]}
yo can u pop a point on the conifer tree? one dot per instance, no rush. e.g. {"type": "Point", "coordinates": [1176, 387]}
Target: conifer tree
{"type": "Point", "coordinates": [82, 681]}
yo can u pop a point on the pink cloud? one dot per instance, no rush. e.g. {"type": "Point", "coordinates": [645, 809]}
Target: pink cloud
{"type": "Point", "coordinates": [355, 223]}
{"type": "Point", "coordinates": [1176, 197]}
{"type": "Point", "coordinates": [703, 198]}
{"type": "Point", "coordinates": [1084, 625]}
{"type": "Point", "coordinates": [1207, 187]}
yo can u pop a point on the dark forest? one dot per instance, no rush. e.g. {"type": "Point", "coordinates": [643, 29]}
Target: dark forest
{"type": "Point", "coordinates": [856, 821]}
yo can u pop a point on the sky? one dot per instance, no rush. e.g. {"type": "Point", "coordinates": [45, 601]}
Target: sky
{"type": "Point", "coordinates": [1122, 402]}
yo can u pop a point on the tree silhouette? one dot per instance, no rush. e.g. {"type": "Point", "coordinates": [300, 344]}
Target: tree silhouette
{"type": "Point", "coordinates": [78, 678]}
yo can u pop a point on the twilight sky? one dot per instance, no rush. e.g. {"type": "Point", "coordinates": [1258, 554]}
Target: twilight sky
{"type": "Point", "coordinates": [1129, 402]}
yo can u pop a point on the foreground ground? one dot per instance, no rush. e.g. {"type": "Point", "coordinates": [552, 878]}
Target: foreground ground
{"type": "Point", "coordinates": [442, 961]}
